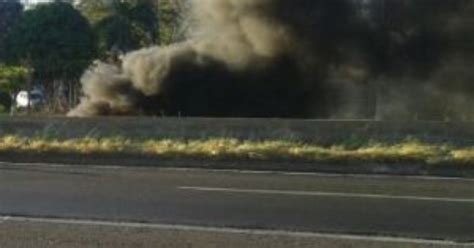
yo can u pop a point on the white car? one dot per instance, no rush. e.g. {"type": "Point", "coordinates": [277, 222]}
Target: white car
{"type": "Point", "coordinates": [34, 99]}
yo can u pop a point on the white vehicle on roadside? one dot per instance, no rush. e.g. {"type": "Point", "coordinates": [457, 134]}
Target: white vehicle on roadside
{"type": "Point", "coordinates": [34, 99]}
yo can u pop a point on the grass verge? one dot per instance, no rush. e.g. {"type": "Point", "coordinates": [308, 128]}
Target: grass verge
{"type": "Point", "coordinates": [225, 149]}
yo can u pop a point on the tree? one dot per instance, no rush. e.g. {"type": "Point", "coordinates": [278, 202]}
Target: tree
{"type": "Point", "coordinates": [10, 13]}
{"type": "Point", "coordinates": [12, 79]}
{"type": "Point", "coordinates": [170, 14]}
{"type": "Point", "coordinates": [95, 10]}
{"type": "Point", "coordinates": [56, 41]}
{"type": "Point", "coordinates": [172, 18]}
{"type": "Point", "coordinates": [122, 25]}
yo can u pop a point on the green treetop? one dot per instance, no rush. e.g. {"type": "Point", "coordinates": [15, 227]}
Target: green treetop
{"type": "Point", "coordinates": [55, 40]}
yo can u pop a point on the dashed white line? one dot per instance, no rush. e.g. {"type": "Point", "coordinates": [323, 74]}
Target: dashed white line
{"type": "Point", "coordinates": [188, 228]}
{"type": "Point", "coordinates": [325, 194]}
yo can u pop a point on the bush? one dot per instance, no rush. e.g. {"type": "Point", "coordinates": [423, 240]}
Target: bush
{"type": "Point", "coordinates": [5, 102]}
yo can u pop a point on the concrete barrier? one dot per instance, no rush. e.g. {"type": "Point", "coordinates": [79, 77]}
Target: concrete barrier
{"type": "Point", "coordinates": [311, 131]}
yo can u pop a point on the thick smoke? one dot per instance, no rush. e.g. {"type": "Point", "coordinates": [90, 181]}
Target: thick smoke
{"type": "Point", "coordinates": [427, 73]}
{"type": "Point", "coordinates": [384, 59]}
{"type": "Point", "coordinates": [242, 58]}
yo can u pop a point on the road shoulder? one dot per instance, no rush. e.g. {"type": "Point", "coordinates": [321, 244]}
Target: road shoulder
{"type": "Point", "coordinates": [133, 160]}
{"type": "Point", "coordinates": [43, 233]}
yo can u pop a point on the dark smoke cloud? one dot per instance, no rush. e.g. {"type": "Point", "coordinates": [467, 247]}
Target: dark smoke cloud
{"type": "Point", "coordinates": [427, 69]}
{"type": "Point", "coordinates": [242, 58]}
{"type": "Point", "coordinates": [310, 59]}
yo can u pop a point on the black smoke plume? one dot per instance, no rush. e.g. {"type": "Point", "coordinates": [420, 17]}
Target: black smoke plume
{"type": "Point", "coordinates": [306, 59]}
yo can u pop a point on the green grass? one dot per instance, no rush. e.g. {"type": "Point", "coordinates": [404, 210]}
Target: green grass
{"type": "Point", "coordinates": [218, 149]}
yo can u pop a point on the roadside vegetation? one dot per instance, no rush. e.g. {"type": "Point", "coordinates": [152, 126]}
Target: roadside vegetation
{"type": "Point", "coordinates": [50, 45]}
{"type": "Point", "coordinates": [222, 149]}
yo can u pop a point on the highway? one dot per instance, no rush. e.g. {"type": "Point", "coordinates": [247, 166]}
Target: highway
{"type": "Point", "coordinates": [363, 211]}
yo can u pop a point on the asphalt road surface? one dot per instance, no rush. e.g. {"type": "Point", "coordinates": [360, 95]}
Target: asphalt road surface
{"type": "Point", "coordinates": [203, 207]}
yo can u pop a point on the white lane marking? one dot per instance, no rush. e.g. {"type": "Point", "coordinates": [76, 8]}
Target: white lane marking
{"type": "Point", "coordinates": [188, 228]}
{"type": "Point", "coordinates": [263, 172]}
{"type": "Point", "coordinates": [325, 194]}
